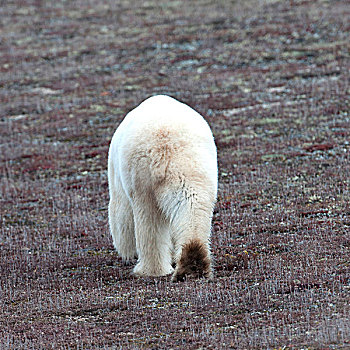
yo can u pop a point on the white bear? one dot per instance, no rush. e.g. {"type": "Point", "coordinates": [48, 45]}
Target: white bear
{"type": "Point", "coordinates": [162, 174]}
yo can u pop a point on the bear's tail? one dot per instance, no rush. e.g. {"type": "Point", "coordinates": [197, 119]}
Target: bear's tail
{"type": "Point", "coordinates": [195, 261]}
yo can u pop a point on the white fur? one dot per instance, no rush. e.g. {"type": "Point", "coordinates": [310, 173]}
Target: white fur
{"type": "Point", "coordinates": [162, 173]}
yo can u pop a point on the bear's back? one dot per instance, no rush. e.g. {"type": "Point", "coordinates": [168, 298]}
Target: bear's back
{"type": "Point", "coordinates": [163, 111]}
{"type": "Point", "coordinates": [161, 118]}
{"type": "Point", "coordinates": [163, 134]}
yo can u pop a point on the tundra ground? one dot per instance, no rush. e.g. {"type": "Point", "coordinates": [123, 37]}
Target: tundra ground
{"type": "Point", "coordinates": [272, 79]}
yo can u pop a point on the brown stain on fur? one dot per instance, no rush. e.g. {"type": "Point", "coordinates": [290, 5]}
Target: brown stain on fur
{"type": "Point", "coordinates": [195, 261]}
{"type": "Point", "coordinates": [167, 143]}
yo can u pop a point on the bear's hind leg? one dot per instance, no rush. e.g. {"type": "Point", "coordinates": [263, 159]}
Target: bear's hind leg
{"type": "Point", "coordinates": [153, 242]}
{"type": "Point", "coordinates": [189, 209]}
{"type": "Point", "coordinates": [121, 222]}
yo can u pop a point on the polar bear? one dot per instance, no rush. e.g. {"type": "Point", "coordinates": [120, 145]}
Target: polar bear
{"type": "Point", "coordinates": [162, 175]}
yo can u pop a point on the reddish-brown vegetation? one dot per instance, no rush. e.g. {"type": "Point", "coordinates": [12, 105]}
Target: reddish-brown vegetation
{"type": "Point", "coordinates": [271, 77]}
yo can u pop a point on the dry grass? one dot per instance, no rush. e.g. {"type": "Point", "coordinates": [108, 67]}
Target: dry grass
{"type": "Point", "coordinates": [272, 79]}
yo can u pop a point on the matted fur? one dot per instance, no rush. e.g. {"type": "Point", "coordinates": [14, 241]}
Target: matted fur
{"type": "Point", "coordinates": [194, 261]}
{"type": "Point", "coordinates": [162, 174]}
